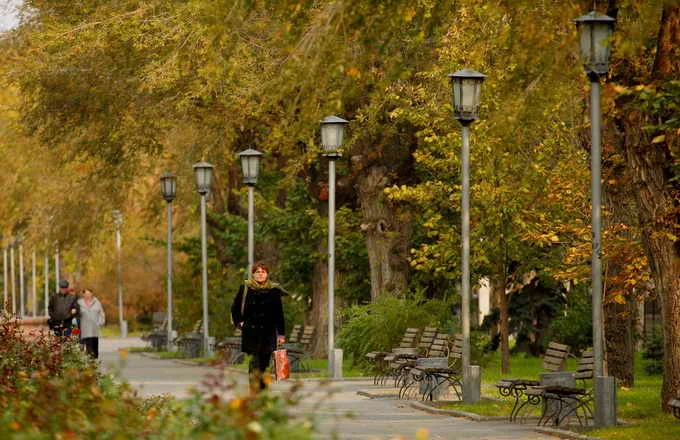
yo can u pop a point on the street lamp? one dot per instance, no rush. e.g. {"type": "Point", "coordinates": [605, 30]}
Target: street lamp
{"type": "Point", "coordinates": [118, 222]}
{"type": "Point", "coordinates": [5, 295]}
{"type": "Point", "coordinates": [46, 270]}
{"type": "Point", "coordinates": [332, 135]}
{"type": "Point", "coordinates": [57, 266]}
{"type": "Point", "coordinates": [250, 164]}
{"type": "Point", "coordinates": [595, 31]}
{"type": "Point", "coordinates": [13, 275]}
{"type": "Point", "coordinates": [203, 172]}
{"type": "Point", "coordinates": [169, 190]}
{"type": "Point", "coordinates": [466, 87]}
{"type": "Point", "coordinates": [22, 289]}
{"type": "Point", "coordinates": [34, 287]}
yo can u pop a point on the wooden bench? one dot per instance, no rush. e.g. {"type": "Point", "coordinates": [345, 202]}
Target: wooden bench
{"type": "Point", "coordinates": [299, 352]}
{"type": "Point", "coordinates": [229, 349]}
{"type": "Point", "coordinates": [562, 402]}
{"type": "Point", "coordinates": [158, 336]}
{"type": "Point", "coordinates": [553, 360]}
{"type": "Point", "coordinates": [407, 344]}
{"type": "Point", "coordinates": [191, 343]}
{"type": "Point", "coordinates": [674, 404]}
{"type": "Point", "coordinates": [295, 333]}
{"type": "Point", "coordinates": [431, 378]}
{"type": "Point", "coordinates": [437, 347]}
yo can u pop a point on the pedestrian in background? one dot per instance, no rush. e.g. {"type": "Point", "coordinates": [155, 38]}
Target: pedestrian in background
{"type": "Point", "coordinates": [258, 311]}
{"type": "Point", "coordinates": [62, 308]}
{"type": "Point", "coordinates": [91, 319]}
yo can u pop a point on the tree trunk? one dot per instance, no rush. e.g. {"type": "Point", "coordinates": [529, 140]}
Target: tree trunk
{"type": "Point", "coordinates": [657, 201]}
{"type": "Point", "coordinates": [619, 320]}
{"type": "Point", "coordinates": [656, 209]}
{"type": "Point", "coordinates": [387, 236]}
{"type": "Point", "coordinates": [504, 322]}
{"type": "Point", "coordinates": [319, 313]}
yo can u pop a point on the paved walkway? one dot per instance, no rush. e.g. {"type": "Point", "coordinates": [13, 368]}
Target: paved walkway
{"type": "Point", "coordinates": [342, 413]}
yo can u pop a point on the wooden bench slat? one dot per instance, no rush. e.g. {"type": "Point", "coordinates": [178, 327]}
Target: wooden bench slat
{"type": "Point", "coordinates": [557, 346]}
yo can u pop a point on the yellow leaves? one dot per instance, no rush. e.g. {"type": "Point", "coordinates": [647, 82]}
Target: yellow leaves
{"type": "Point", "coordinates": [422, 434]}
{"type": "Point", "coordinates": [619, 299]}
{"type": "Point", "coordinates": [354, 72]}
{"type": "Point", "coordinates": [408, 14]}
{"type": "Point", "coordinates": [658, 139]}
{"type": "Point", "coordinates": [235, 403]}
{"type": "Point", "coordinates": [151, 414]}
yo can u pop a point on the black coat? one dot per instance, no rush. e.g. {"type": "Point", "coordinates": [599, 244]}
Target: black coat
{"type": "Point", "coordinates": [60, 306]}
{"type": "Point", "coordinates": [262, 318]}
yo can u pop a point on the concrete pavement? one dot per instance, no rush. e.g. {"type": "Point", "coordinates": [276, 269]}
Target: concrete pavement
{"type": "Point", "coordinates": [340, 411]}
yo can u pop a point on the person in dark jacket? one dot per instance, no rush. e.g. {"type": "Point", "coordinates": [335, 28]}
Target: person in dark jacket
{"type": "Point", "coordinates": [258, 311]}
{"type": "Point", "coordinates": [62, 308]}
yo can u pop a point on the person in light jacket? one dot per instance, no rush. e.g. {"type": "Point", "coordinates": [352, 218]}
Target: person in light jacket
{"type": "Point", "coordinates": [258, 311]}
{"type": "Point", "coordinates": [91, 318]}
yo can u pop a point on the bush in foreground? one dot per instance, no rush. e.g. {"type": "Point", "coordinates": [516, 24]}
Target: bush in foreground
{"type": "Point", "coordinates": [50, 390]}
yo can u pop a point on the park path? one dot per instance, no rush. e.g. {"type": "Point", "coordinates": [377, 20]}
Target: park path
{"type": "Point", "coordinates": [342, 412]}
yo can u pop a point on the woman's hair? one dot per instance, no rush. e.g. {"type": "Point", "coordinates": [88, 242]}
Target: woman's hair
{"type": "Point", "coordinates": [87, 289]}
{"type": "Point", "coordinates": [259, 265]}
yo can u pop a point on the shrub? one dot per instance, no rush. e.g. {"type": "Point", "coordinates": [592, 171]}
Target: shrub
{"type": "Point", "coordinates": [653, 352]}
{"type": "Point", "coordinates": [50, 389]}
{"type": "Point", "coordinates": [575, 327]}
{"type": "Point", "coordinates": [381, 324]}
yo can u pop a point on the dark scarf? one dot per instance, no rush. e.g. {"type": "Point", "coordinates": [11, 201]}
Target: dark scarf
{"type": "Point", "coordinates": [255, 286]}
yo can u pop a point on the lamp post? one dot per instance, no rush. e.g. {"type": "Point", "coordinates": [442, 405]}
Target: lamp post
{"type": "Point", "coordinates": [250, 165]}
{"type": "Point", "coordinates": [467, 86]}
{"type": "Point", "coordinates": [34, 288]}
{"type": "Point", "coordinates": [203, 172]}
{"type": "Point", "coordinates": [46, 287]}
{"type": "Point", "coordinates": [13, 276]}
{"type": "Point", "coordinates": [169, 190]}
{"type": "Point", "coordinates": [595, 30]}
{"type": "Point", "coordinates": [57, 266]}
{"type": "Point", "coordinates": [22, 289]}
{"type": "Point", "coordinates": [118, 222]}
{"type": "Point", "coordinates": [332, 135]}
{"type": "Point", "coordinates": [5, 295]}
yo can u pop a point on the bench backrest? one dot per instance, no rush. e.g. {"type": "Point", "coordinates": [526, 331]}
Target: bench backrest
{"type": "Point", "coordinates": [158, 320]}
{"type": "Point", "coordinates": [410, 338]}
{"type": "Point", "coordinates": [307, 335]}
{"type": "Point", "coordinates": [426, 338]}
{"type": "Point", "coordinates": [584, 369]}
{"type": "Point", "coordinates": [294, 336]}
{"type": "Point", "coordinates": [198, 326]}
{"type": "Point", "coordinates": [456, 347]}
{"type": "Point", "coordinates": [439, 346]}
{"type": "Point", "coordinates": [555, 357]}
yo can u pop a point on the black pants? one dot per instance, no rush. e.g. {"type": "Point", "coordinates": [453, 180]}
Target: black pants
{"type": "Point", "coordinates": [259, 362]}
{"type": "Point", "coordinates": [91, 346]}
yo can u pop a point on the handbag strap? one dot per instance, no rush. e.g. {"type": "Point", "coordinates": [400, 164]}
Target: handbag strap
{"type": "Point", "coordinates": [243, 299]}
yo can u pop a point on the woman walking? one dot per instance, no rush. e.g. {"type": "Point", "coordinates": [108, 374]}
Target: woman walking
{"type": "Point", "coordinates": [91, 318]}
{"type": "Point", "coordinates": [258, 311]}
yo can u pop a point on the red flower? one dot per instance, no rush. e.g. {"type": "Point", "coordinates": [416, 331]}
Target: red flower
{"type": "Point", "coordinates": [76, 331]}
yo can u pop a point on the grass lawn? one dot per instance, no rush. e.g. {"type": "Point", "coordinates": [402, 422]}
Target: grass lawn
{"type": "Point", "coordinates": [148, 349]}
{"type": "Point", "coordinates": [638, 406]}
{"type": "Point", "coordinates": [112, 331]}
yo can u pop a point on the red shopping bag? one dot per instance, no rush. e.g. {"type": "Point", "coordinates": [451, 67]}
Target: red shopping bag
{"type": "Point", "coordinates": [281, 364]}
